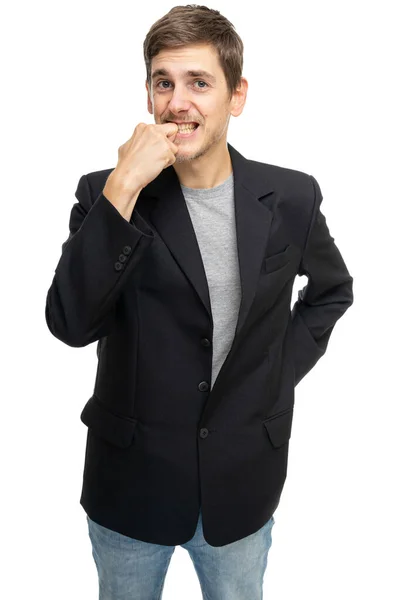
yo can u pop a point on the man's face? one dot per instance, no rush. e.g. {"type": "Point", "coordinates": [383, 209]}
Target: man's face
{"type": "Point", "coordinates": [176, 95]}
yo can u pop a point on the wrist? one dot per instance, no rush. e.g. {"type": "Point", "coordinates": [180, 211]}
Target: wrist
{"type": "Point", "coordinates": [122, 199]}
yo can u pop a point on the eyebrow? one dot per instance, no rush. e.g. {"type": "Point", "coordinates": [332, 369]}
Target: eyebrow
{"type": "Point", "coordinates": [191, 73]}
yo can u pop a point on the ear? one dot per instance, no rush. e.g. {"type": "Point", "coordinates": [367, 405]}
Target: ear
{"type": "Point", "coordinates": [239, 98]}
{"type": "Point", "coordinates": [149, 102]}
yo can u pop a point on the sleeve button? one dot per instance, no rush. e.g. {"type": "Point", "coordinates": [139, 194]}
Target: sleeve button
{"type": "Point", "coordinates": [127, 250]}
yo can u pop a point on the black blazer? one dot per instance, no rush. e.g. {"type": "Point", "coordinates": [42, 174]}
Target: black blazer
{"type": "Point", "coordinates": [160, 443]}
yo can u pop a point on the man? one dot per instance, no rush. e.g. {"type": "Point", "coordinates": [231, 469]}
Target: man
{"type": "Point", "coordinates": [180, 263]}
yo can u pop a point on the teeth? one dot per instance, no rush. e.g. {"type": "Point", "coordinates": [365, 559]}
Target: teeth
{"type": "Point", "coordinates": [186, 128]}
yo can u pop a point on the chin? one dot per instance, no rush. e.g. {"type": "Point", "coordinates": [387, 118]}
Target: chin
{"type": "Point", "coordinates": [180, 158]}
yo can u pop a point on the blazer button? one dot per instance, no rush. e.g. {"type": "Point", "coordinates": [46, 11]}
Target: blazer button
{"type": "Point", "coordinates": [118, 266]}
{"type": "Point", "coordinates": [205, 342]}
{"type": "Point", "coordinates": [127, 250]}
{"type": "Point", "coordinates": [203, 432]}
{"type": "Point", "coordinates": [203, 386]}
{"type": "Point", "coordinates": [122, 258]}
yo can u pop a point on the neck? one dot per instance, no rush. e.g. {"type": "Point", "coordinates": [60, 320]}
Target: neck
{"type": "Point", "coordinates": [206, 171]}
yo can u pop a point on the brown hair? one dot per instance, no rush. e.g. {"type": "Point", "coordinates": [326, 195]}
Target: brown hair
{"type": "Point", "coordinates": [195, 24]}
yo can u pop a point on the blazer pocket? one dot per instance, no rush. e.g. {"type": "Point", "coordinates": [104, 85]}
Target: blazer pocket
{"type": "Point", "coordinates": [114, 429]}
{"type": "Point", "coordinates": [279, 427]}
{"type": "Point", "coordinates": [276, 261]}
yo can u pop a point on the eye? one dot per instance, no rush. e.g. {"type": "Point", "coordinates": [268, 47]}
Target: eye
{"type": "Point", "coordinates": [198, 81]}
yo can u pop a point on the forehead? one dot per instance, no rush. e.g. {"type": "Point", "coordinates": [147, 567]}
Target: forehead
{"type": "Point", "coordinates": [193, 57]}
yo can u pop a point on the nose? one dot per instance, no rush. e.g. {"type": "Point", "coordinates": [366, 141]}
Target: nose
{"type": "Point", "coordinates": [180, 99]}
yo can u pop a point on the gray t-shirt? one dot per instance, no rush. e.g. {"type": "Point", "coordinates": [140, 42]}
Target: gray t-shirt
{"type": "Point", "coordinates": [212, 212]}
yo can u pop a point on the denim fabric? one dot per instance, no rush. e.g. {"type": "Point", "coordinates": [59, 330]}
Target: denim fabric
{"type": "Point", "coordinates": [130, 569]}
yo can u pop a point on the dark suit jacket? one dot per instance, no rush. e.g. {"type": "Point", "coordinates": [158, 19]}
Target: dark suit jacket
{"type": "Point", "coordinates": [160, 443]}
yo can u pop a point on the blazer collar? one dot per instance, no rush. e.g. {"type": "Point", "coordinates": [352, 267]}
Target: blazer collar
{"type": "Point", "coordinates": [171, 218]}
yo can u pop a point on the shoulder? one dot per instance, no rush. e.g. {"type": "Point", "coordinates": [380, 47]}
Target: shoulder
{"type": "Point", "coordinates": [295, 198]}
{"type": "Point", "coordinates": [288, 183]}
{"type": "Point", "coordinates": [97, 180]}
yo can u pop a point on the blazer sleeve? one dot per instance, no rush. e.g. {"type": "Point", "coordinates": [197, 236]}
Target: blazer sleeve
{"type": "Point", "coordinates": [325, 298]}
{"type": "Point", "coordinates": [95, 263]}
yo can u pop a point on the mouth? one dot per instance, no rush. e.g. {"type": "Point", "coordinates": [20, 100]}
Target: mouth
{"type": "Point", "coordinates": [186, 130]}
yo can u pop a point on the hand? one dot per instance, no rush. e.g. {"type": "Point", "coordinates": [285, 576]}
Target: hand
{"type": "Point", "coordinates": [141, 159]}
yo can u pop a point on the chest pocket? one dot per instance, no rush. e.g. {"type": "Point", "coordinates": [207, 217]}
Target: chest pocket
{"type": "Point", "coordinates": [280, 259]}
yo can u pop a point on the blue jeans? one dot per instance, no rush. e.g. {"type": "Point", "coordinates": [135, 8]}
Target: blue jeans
{"type": "Point", "coordinates": [130, 569]}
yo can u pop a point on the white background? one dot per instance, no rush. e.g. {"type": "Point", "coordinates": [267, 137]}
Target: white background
{"type": "Point", "coordinates": [322, 99]}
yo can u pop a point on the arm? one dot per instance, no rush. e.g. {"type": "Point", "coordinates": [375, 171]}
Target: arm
{"type": "Point", "coordinates": [102, 249]}
{"type": "Point", "coordinates": [325, 298]}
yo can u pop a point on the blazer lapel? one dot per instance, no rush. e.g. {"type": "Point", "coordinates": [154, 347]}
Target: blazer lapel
{"type": "Point", "coordinates": [171, 218]}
